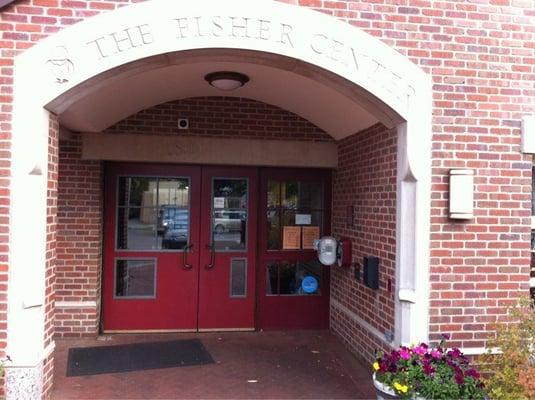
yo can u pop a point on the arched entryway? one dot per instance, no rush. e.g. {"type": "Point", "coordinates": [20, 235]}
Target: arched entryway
{"type": "Point", "coordinates": [109, 67]}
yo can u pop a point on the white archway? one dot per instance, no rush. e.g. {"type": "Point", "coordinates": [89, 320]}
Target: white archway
{"type": "Point", "coordinates": [74, 62]}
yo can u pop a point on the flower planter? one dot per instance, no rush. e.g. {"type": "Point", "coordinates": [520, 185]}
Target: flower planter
{"type": "Point", "coordinates": [383, 392]}
{"type": "Point", "coordinates": [437, 371]}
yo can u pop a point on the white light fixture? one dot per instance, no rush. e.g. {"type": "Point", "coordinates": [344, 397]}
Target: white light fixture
{"type": "Point", "coordinates": [226, 80]}
{"type": "Point", "coordinates": [461, 193]}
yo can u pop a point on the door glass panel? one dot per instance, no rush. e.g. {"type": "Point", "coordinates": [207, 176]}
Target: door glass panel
{"type": "Point", "coordinates": [238, 277]}
{"type": "Point", "coordinates": [136, 228]}
{"type": "Point", "coordinates": [296, 278]}
{"type": "Point", "coordinates": [153, 213]}
{"type": "Point", "coordinates": [301, 204]}
{"type": "Point", "coordinates": [138, 191]}
{"type": "Point", "coordinates": [287, 278]}
{"type": "Point", "coordinates": [135, 278]}
{"type": "Point", "coordinates": [173, 191]}
{"type": "Point", "coordinates": [272, 284]}
{"type": "Point", "coordinates": [302, 195]}
{"type": "Point", "coordinates": [173, 213]}
{"type": "Point", "coordinates": [274, 230]}
{"type": "Point", "coordinates": [273, 194]}
{"type": "Point", "coordinates": [229, 214]}
{"type": "Point", "coordinates": [309, 195]}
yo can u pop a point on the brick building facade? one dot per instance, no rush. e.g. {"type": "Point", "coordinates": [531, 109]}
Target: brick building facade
{"type": "Point", "coordinates": [477, 59]}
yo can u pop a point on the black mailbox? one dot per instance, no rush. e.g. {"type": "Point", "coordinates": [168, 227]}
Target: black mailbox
{"type": "Point", "coordinates": [371, 272]}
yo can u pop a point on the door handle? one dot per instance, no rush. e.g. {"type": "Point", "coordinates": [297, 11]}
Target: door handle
{"type": "Point", "coordinates": [211, 247]}
{"type": "Point", "coordinates": [185, 252]}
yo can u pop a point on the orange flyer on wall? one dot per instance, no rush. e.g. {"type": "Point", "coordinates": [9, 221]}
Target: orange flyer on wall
{"type": "Point", "coordinates": [310, 233]}
{"type": "Point", "coordinates": [291, 237]}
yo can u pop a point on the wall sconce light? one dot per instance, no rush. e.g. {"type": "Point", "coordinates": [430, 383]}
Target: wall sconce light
{"type": "Point", "coordinates": [226, 80]}
{"type": "Point", "coordinates": [461, 193]}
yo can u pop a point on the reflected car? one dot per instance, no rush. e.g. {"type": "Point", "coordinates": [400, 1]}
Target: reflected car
{"type": "Point", "coordinates": [173, 226]}
{"type": "Point", "coordinates": [229, 221]}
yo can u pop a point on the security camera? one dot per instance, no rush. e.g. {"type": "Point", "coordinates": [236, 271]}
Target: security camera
{"type": "Point", "coordinates": [183, 123]}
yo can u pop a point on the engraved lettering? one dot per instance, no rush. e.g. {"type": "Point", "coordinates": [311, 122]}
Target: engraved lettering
{"type": "Point", "coordinates": [182, 27]}
{"type": "Point", "coordinates": [146, 35]}
{"type": "Point", "coordinates": [99, 47]}
{"type": "Point", "coordinates": [336, 49]}
{"type": "Point", "coordinates": [285, 33]}
{"type": "Point", "coordinates": [217, 27]}
{"type": "Point", "coordinates": [355, 60]}
{"type": "Point", "coordinates": [235, 26]}
{"type": "Point", "coordinates": [122, 43]}
{"type": "Point", "coordinates": [198, 24]}
{"type": "Point", "coordinates": [263, 27]}
{"type": "Point", "coordinates": [318, 43]}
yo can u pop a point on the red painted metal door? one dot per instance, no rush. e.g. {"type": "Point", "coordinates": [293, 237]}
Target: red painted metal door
{"type": "Point", "coordinates": [228, 244]}
{"type": "Point", "coordinates": [293, 201]}
{"type": "Point", "coordinates": [179, 249]}
{"type": "Point", "coordinates": [151, 254]}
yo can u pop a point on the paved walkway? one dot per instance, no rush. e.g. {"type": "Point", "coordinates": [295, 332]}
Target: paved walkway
{"type": "Point", "coordinates": [256, 365]}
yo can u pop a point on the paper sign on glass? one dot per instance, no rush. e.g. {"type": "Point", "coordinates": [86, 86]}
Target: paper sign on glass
{"type": "Point", "coordinates": [291, 237]}
{"type": "Point", "coordinates": [303, 219]}
{"type": "Point", "coordinates": [219, 202]}
{"type": "Point", "coordinates": [310, 233]}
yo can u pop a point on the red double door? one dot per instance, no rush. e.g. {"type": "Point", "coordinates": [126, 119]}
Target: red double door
{"type": "Point", "coordinates": [180, 245]}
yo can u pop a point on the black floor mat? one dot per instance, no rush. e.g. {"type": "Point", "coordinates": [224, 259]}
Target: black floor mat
{"type": "Point", "coordinates": [135, 357]}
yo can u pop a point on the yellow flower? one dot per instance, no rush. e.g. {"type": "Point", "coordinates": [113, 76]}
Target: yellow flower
{"type": "Point", "coordinates": [376, 366]}
{"type": "Point", "coordinates": [401, 388]}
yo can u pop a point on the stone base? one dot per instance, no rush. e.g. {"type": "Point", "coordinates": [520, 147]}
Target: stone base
{"type": "Point", "coordinates": [24, 383]}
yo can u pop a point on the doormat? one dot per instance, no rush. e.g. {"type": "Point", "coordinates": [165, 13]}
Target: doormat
{"type": "Point", "coordinates": [136, 357]}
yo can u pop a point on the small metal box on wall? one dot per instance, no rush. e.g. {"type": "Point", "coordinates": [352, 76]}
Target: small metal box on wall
{"type": "Point", "coordinates": [371, 272]}
{"type": "Point", "coordinates": [461, 194]}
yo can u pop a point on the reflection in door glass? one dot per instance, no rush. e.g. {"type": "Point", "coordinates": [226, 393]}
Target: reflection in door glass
{"type": "Point", "coordinates": [135, 278]}
{"type": "Point", "coordinates": [138, 191]}
{"type": "Point", "coordinates": [286, 278]}
{"type": "Point", "coordinates": [152, 213]}
{"type": "Point", "coordinates": [229, 214]}
{"type": "Point", "coordinates": [136, 228]}
{"type": "Point", "coordinates": [173, 213]}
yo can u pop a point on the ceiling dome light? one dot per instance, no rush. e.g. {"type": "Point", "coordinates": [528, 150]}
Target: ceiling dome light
{"type": "Point", "coordinates": [226, 80]}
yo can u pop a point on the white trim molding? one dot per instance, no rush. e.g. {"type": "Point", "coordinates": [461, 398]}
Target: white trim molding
{"type": "Point", "coordinates": [76, 304]}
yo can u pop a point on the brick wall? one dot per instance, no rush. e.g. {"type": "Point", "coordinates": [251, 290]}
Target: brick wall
{"type": "Point", "coordinates": [222, 117]}
{"type": "Point", "coordinates": [366, 180]}
{"type": "Point", "coordinates": [79, 239]}
{"type": "Point", "coordinates": [480, 55]}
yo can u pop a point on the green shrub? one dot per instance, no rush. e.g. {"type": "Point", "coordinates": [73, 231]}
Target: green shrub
{"type": "Point", "coordinates": [510, 375]}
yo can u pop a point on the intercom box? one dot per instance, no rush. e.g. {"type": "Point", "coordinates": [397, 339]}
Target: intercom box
{"type": "Point", "coordinates": [371, 272]}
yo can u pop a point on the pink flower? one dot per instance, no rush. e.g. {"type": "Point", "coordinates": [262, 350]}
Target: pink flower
{"type": "Point", "coordinates": [459, 378]}
{"type": "Point", "coordinates": [420, 350]}
{"type": "Point", "coordinates": [436, 353]}
{"type": "Point", "coordinates": [405, 354]}
{"type": "Point", "coordinates": [473, 373]}
{"type": "Point", "coordinates": [455, 353]}
{"type": "Point", "coordinates": [428, 369]}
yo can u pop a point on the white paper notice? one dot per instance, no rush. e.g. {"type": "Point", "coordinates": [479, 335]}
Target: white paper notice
{"type": "Point", "coordinates": [303, 219]}
{"type": "Point", "coordinates": [219, 202]}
